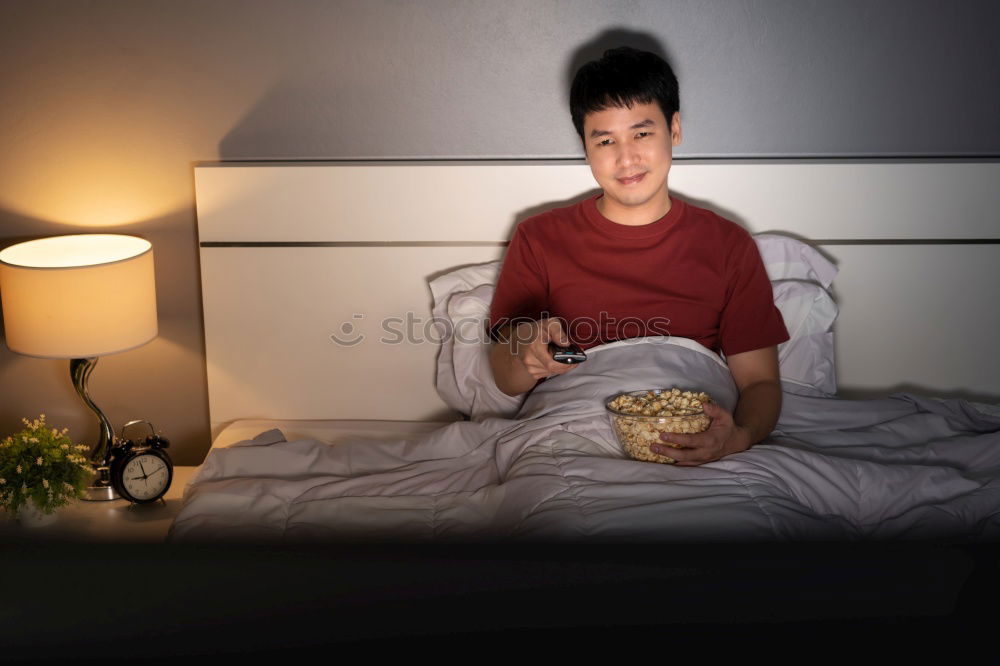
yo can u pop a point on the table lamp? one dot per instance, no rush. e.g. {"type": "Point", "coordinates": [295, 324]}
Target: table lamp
{"type": "Point", "coordinates": [80, 297]}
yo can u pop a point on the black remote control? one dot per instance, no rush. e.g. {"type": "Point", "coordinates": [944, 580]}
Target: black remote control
{"type": "Point", "coordinates": [569, 354]}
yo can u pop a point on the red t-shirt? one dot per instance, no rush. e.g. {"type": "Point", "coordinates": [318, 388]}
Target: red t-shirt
{"type": "Point", "coordinates": [690, 274]}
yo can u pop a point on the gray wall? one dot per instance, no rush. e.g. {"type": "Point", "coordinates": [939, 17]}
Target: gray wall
{"type": "Point", "coordinates": [107, 104]}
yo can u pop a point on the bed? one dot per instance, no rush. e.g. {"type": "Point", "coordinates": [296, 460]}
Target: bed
{"type": "Point", "coordinates": [337, 315]}
{"type": "Point", "coordinates": [351, 404]}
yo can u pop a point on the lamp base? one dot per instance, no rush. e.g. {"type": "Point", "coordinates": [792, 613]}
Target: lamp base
{"type": "Point", "coordinates": [100, 488]}
{"type": "Point", "coordinates": [100, 494]}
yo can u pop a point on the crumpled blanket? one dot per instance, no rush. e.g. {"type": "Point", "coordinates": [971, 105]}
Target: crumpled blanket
{"type": "Point", "coordinates": [901, 467]}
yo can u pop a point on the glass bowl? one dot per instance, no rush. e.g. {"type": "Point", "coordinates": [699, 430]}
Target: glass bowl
{"type": "Point", "coordinates": [636, 432]}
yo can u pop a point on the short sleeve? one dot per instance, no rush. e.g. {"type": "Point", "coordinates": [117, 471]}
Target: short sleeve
{"type": "Point", "coordinates": [522, 288]}
{"type": "Point", "coordinates": [750, 319]}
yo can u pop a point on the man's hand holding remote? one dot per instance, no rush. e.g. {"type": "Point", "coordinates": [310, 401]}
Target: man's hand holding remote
{"type": "Point", "coordinates": [522, 356]}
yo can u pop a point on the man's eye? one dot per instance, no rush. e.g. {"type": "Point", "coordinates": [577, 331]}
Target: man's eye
{"type": "Point", "coordinates": [605, 142]}
{"type": "Point", "coordinates": [642, 134]}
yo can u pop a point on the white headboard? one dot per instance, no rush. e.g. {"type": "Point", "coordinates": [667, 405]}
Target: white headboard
{"type": "Point", "coordinates": [291, 253]}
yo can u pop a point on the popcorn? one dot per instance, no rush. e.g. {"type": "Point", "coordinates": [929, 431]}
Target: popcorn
{"type": "Point", "coordinates": [639, 417]}
{"type": "Point", "coordinates": [659, 402]}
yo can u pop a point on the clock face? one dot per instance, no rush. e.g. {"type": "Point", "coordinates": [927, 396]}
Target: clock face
{"type": "Point", "coordinates": [145, 476]}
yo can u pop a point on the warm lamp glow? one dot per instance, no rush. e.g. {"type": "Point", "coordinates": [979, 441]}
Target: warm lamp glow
{"type": "Point", "coordinates": [74, 251]}
{"type": "Point", "coordinates": [91, 169]}
{"type": "Point", "coordinates": [78, 296]}
{"type": "Point", "coordinates": [97, 193]}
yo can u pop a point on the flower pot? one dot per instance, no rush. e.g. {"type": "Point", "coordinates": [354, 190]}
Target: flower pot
{"type": "Point", "coordinates": [30, 515]}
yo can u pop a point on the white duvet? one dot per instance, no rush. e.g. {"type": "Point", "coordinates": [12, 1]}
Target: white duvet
{"type": "Point", "coordinates": [902, 467]}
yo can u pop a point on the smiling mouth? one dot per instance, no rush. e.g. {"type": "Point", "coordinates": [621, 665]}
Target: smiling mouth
{"type": "Point", "coordinates": [632, 179]}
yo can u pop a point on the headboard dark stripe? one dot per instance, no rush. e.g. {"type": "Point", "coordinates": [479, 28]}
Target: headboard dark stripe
{"type": "Point", "coordinates": [822, 241]}
{"type": "Point", "coordinates": [354, 244]}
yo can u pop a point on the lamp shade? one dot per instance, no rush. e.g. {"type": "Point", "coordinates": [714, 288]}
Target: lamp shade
{"type": "Point", "coordinates": [78, 296]}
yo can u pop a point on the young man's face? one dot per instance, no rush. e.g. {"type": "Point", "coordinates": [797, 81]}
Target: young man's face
{"type": "Point", "coordinates": [629, 152]}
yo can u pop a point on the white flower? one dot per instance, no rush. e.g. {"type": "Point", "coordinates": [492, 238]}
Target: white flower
{"type": "Point", "coordinates": [33, 439]}
{"type": "Point", "coordinates": [2, 481]}
{"type": "Point", "coordinates": [39, 461]}
{"type": "Point", "coordinates": [19, 470]}
{"type": "Point", "coordinates": [55, 433]}
{"type": "Point", "coordinates": [64, 447]}
{"type": "Point", "coordinates": [45, 483]}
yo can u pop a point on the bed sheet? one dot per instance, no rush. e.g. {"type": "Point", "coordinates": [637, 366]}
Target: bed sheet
{"type": "Point", "coordinates": [902, 467]}
{"type": "Point", "coordinates": [330, 431]}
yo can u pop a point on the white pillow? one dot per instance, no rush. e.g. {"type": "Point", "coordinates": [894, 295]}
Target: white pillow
{"type": "Point", "coordinates": [473, 377]}
{"type": "Point", "coordinates": [800, 277]}
{"type": "Point", "coordinates": [463, 279]}
{"type": "Point", "coordinates": [809, 312]}
{"type": "Point", "coordinates": [787, 258]}
{"type": "Point", "coordinates": [461, 307]}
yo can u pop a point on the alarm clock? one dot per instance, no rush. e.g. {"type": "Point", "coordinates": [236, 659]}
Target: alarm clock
{"type": "Point", "coordinates": [141, 470]}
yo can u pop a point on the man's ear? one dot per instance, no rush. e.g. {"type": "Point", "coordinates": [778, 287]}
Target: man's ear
{"type": "Point", "coordinates": [675, 129]}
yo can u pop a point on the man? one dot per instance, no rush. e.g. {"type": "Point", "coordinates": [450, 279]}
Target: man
{"type": "Point", "coordinates": [635, 254]}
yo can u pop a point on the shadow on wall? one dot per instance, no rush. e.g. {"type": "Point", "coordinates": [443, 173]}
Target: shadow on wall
{"type": "Point", "coordinates": [610, 39]}
{"type": "Point", "coordinates": [340, 112]}
{"type": "Point", "coordinates": [330, 116]}
{"type": "Point", "coordinates": [519, 217]}
{"type": "Point", "coordinates": [283, 125]}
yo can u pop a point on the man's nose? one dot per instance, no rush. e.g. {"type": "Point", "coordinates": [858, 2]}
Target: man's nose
{"type": "Point", "coordinates": [627, 153]}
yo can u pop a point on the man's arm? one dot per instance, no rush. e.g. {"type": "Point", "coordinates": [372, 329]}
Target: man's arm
{"type": "Point", "coordinates": [521, 356]}
{"type": "Point", "coordinates": [757, 379]}
{"type": "Point", "coordinates": [509, 373]}
{"type": "Point", "coordinates": [757, 410]}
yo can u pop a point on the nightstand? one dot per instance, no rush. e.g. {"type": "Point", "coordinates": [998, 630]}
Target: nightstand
{"type": "Point", "coordinates": [114, 520]}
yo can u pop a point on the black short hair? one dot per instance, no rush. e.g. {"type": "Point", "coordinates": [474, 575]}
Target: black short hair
{"type": "Point", "coordinates": [622, 77]}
